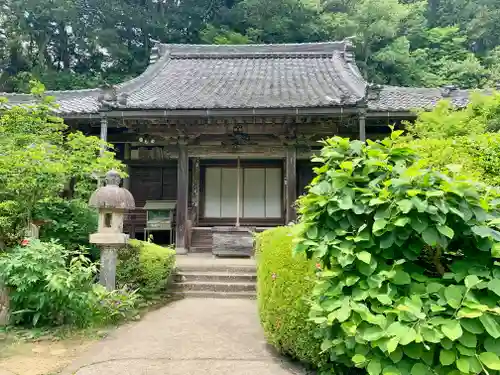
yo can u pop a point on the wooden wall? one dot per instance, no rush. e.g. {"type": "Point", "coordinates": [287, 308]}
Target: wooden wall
{"type": "Point", "coordinates": [305, 175]}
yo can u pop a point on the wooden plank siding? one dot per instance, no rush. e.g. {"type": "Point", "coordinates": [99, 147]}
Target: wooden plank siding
{"type": "Point", "coordinates": [305, 175]}
{"type": "Point", "coordinates": [150, 182]}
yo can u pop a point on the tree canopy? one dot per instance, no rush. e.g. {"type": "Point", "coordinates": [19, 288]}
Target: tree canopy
{"type": "Point", "coordinates": [38, 156]}
{"type": "Point", "coordinates": [69, 44]}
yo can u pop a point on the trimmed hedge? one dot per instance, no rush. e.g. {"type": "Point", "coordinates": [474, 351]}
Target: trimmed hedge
{"type": "Point", "coordinates": [145, 266]}
{"type": "Point", "coordinates": [284, 281]}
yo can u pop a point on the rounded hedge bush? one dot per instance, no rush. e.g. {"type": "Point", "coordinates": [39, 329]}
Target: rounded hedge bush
{"type": "Point", "coordinates": [284, 283]}
{"type": "Point", "coordinates": [411, 283]}
{"type": "Point", "coordinates": [145, 266]}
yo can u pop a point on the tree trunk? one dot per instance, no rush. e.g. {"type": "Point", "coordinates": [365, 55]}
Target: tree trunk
{"type": "Point", "coordinates": [65, 53]}
{"type": "Point", "coordinates": [4, 306]}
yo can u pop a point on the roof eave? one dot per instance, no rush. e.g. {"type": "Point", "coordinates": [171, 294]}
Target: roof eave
{"type": "Point", "coordinates": [244, 112]}
{"type": "Point", "coordinates": [229, 112]}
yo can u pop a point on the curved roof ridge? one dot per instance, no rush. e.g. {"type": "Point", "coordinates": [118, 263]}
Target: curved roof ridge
{"type": "Point", "coordinates": [142, 79]}
{"type": "Point", "coordinates": [221, 50]}
{"type": "Point", "coordinates": [248, 55]}
{"type": "Point", "coordinates": [351, 76]}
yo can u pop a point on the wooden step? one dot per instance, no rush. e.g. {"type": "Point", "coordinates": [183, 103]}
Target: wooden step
{"type": "Point", "coordinates": [201, 240]}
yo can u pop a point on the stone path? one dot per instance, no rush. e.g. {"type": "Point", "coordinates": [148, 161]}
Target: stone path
{"type": "Point", "coordinates": [188, 337]}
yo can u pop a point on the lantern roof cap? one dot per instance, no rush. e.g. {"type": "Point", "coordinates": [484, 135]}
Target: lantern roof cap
{"type": "Point", "coordinates": [112, 196]}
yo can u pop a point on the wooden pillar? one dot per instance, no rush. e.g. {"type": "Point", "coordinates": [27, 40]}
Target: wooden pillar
{"type": "Point", "coordinates": [291, 183]}
{"type": "Point", "coordinates": [104, 131]}
{"type": "Point", "coordinates": [126, 157]}
{"type": "Point", "coordinates": [238, 192]}
{"type": "Point", "coordinates": [195, 191]}
{"type": "Point", "coordinates": [362, 125]}
{"type": "Point", "coordinates": [104, 137]}
{"type": "Point", "coordinates": [182, 199]}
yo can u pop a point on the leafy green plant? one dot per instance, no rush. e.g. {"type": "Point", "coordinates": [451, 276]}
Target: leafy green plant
{"type": "Point", "coordinates": [44, 289]}
{"type": "Point", "coordinates": [479, 155]}
{"type": "Point", "coordinates": [145, 266]}
{"type": "Point", "coordinates": [480, 116]}
{"type": "Point", "coordinates": [114, 306]}
{"type": "Point", "coordinates": [70, 221]}
{"type": "Point", "coordinates": [51, 286]}
{"type": "Point", "coordinates": [410, 284]}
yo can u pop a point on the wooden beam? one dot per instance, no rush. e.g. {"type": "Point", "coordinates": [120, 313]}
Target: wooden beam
{"type": "Point", "coordinates": [291, 183]}
{"type": "Point", "coordinates": [182, 200]}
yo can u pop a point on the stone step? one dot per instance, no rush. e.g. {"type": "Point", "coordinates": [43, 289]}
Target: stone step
{"type": "Point", "coordinates": [211, 294]}
{"type": "Point", "coordinates": [215, 286]}
{"type": "Point", "coordinates": [200, 250]}
{"type": "Point", "coordinates": [183, 276]}
{"type": "Point", "coordinates": [217, 267]}
{"type": "Point", "coordinates": [230, 253]}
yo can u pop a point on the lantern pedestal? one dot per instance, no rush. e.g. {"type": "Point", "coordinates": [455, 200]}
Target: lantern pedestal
{"type": "Point", "coordinates": [107, 276]}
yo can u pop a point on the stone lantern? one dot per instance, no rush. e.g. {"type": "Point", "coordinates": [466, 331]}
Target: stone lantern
{"type": "Point", "coordinates": [112, 201]}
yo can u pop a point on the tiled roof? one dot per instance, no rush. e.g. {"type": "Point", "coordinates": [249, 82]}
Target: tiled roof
{"type": "Point", "coordinates": [73, 102]}
{"type": "Point", "coordinates": [247, 76]}
{"type": "Point", "coordinates": [393, 98]}
{"type": "Point", "coordinates": [309, 75]}
{"type": "Point", "coordinates": [229, 77]}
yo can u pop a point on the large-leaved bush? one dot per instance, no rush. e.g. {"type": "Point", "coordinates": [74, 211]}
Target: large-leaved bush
{"type": "Point", "coordinates": [410, 283]}
{"type": "Point", "coordinates": [49, 285]}
{"type": "Point", "coordinates": [44, 289]}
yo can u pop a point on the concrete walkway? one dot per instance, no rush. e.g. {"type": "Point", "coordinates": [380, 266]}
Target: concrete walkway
{"type": "Point", "coordinates": [188, 337]}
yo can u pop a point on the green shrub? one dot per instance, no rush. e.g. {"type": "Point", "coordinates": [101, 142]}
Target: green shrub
{"type": "Point", "coordinates": [284, 282]}
{"type": "Point", "coordinates": [49, 285]}
{"type": "Point", "coordinates": [145, 266]}
{"type": "Point", "coordinates": [480, 116]}
{"type": "Point", "coordinates": [115, 306]}
{"type": "Point", "coordinates": [479, 155]}
{"type": "Point", "coordinates": [70, 221]}
{"type": "Point", "coordinates": [410, 284]}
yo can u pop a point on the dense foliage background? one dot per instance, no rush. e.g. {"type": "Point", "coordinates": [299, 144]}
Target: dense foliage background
{"type": "Point", "coordinates": [83, 43]}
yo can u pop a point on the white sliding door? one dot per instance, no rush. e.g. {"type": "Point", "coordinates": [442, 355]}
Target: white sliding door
{"type": "Point", "coordinates": [254, 193]}
{"type": "Point", "coordinates": [229, 192]}
{"type": "Point", "coordinates": [260, 193]}
{"type": "Point", "coordinates": [274, 187]}
{"type": "Point", "coordinates": [213, 192]}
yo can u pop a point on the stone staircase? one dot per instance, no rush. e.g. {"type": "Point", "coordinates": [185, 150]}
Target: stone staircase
{"type": "Point", "coordinates": [203, 276]}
